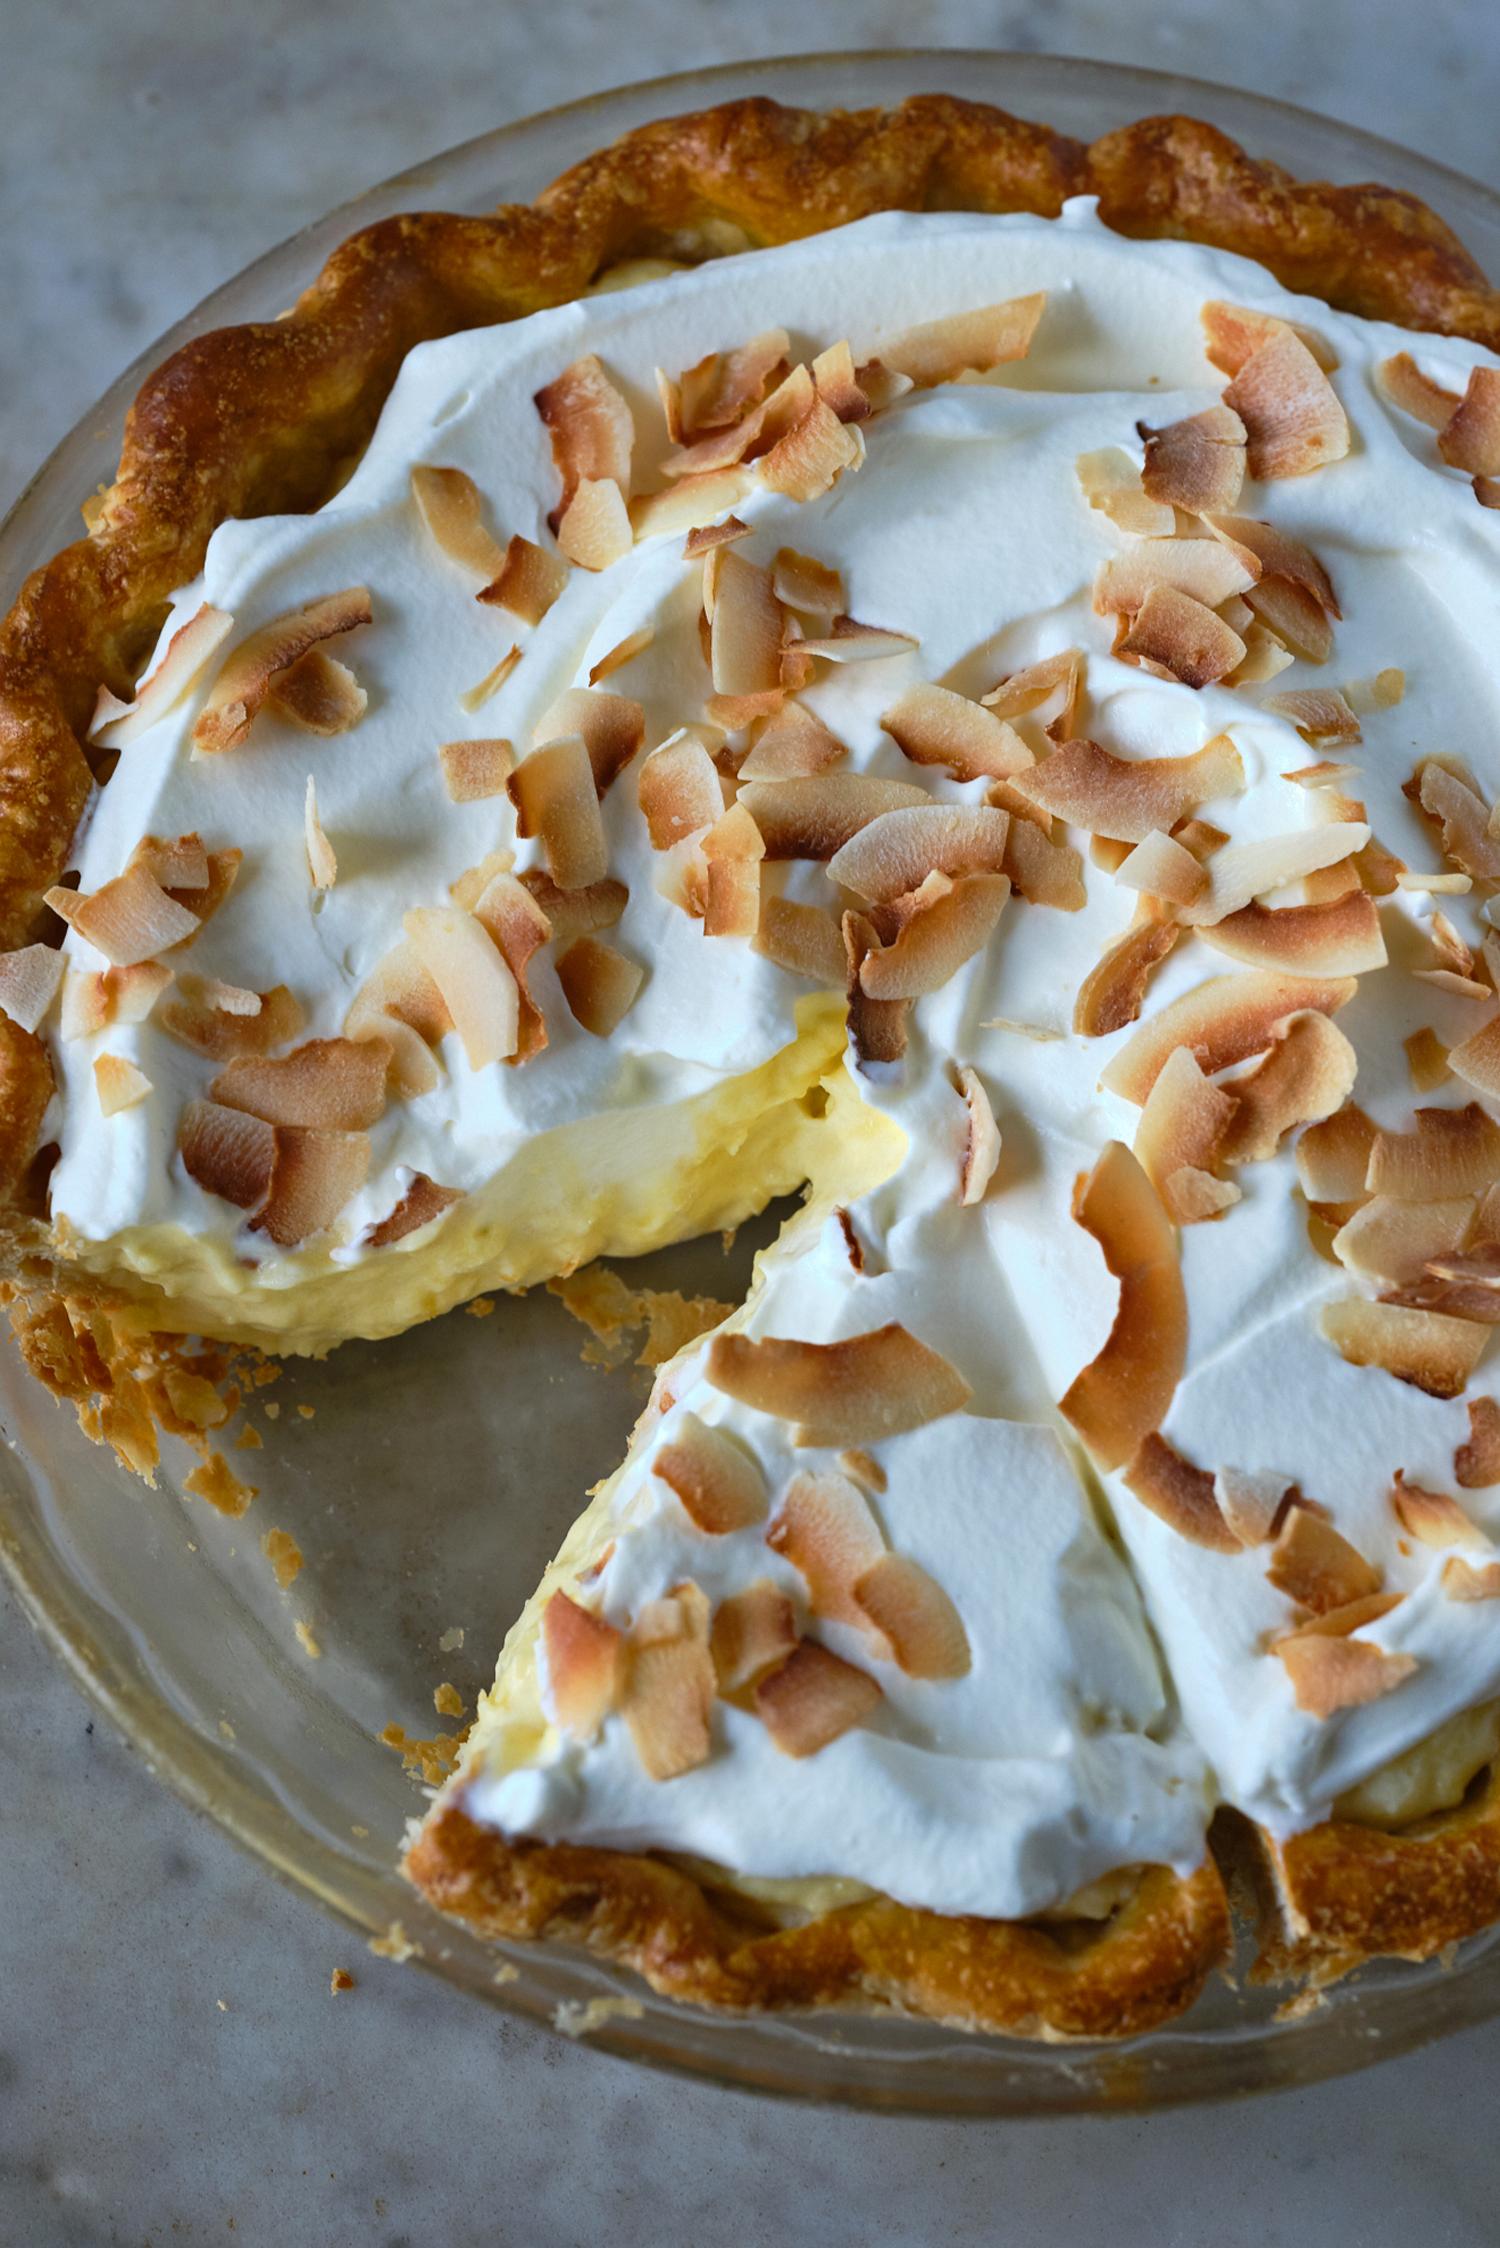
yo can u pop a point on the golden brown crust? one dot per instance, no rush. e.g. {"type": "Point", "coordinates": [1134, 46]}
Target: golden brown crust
{"type": "Point", "coordinates": [1079, 1979]}
{"type": "Point", "coordinates": [1341, 1893]}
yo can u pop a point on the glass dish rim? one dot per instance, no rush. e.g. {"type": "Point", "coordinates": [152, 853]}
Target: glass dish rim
{"type": "Point", "coordinates": [173, 1750]}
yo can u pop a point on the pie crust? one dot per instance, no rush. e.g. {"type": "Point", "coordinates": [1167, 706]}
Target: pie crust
{"type": "Point", "coordinates": [268, 417]}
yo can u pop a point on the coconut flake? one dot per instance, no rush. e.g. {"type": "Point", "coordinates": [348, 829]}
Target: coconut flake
{"type": "Point", "coordinates": [1306, 1076]}
{"type": "Point", "coordinates": [595, 529]}
{"type": "Point", "coordinates": [932, 726]}
{"type": "Point", "coordinates": [669, 1686]}
{"type": "Point", "coordinates": [556, 798]}
{"type": "Point", "coordinates": [1243, 871]}
{"type": "Point", "coordinates": [1111, 483]}
{"type": "Point", "coordinates": [1122, 1396]}
{"type": "Point", "coordinates": [813, 454]}
{"type": "Point", "coordinates": [965, 342]}
{"type": "Point", "coordinates": [945, 924]}
{"type": "Point", "coordinates": [1111, 994]}
{"type": "Point", "coordinates": [1197, 463]}
{"type": "Point", "coordinates": [719, 1482]}
{"type": "Point", "coordinates": [582, 1653]}
{"type": "Point", "coordinates": [1252, 1504]}
{"type": "Point", "coordinates": [119, 1084]}
{"type": "Point", "coordinates": [1316, 1566]}
{"type": "Point", "coordinates": [1231, 332]}
{"type": "Point", "coordinates": [29, 981]}
{"type": "Point", "coordinates": [228, 1153]}
{"type": "Point", "coordinates": [1208, 570]}
{"type": "Point", "coordinates": [328, 1084]}
{"type": "Point", "coordinates": [1470, 438]}
{"type": "Point", "coordinates": [815, 817]}
{"type": "Point", "coordinates": [423, 1201]}
{"type": "Point", "coordinates": [612, 728]}
{"type": "Point", "coordinates": [115, 724]}
{"type": "Point", "coordinates": [1183, 1123]}
{"type": "Point", "coordinates": [679, 791]}
{"type": "Point", "coordinates": [322, 861]}
{"type": "Point", "coordinates": [916, 1618]}
{"type": "Point", "coordinates": [1224, 1020]}
{"type": "Point", "coordinates": [319, 694]}
{"type": "Point", "coordinates": [1128, 798]}
{"type": "Point", "coordinates": [449, 503]}
{"type": "Point", "coordinates": [802, 938]}
{"type": "Point", "coordinates": [590, 427]}
{"type": "Point", "coordinates": [825, 1529]}
{"type": "Point", "coordinates": [527, 582]}
{"type": "Point", "coordinates": [813, 1698]}
{"type": "Point", "coordinates": [222, 1021]}
{"type": "Point", "coordinates": [1340, 937]}
{"type": "Point", "coordinates": [1291, 412]}
{"type": "Point", "coordinates": [474, 771]}
{"type": "Point", "coordinates": [1162, 868]}
{"type": "Point", "coordinates": [865, 1387]}
{"type": "Point", "coordinates": [1431, 1351]}
{"type": "Point", "coordinates": [1402, 381]}
{"type": "Point", "coordinates": [1181, 1495]}
{"type": "Point", "coordinates": [753, 1631]}
{"type": "Point", "coordinates": [599, 984]}
{"type": "Point", "coordinates": [981, 1155]}
{"type": "Point", "coordinates": [130, 918]}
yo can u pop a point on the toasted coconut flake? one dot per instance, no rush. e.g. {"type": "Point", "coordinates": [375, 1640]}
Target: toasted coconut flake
{"type": "Point", "coordinates": [1487, 490]}
{"type": "Point", "coordinates": [876, 1027]}
{"type": "Point", "coordinates": [1461, 1581]}
{"type": "Point", "coordinates": [449, 503]}
{"type": "Point", "coordinates": [746, 628]}
{"type": "Point", "coordinates": [527, 582]}
{"type": "Point", "coordinates": [1044, 873]}
{"type": "Point", "coordinates": [475, 697]}
{"type": "Point", "coordinates": [576, 913]}
{"type": "Point", "coordinates": [850, 641]}
{"type": "Point", "coordinates": [1305, 1077]}
{"type": "Point", "coordinates": [916, 1618]}
{"type": "Point", "coordinates": [556, 797]}
{"type": "Point", "coordinates": [590, 427]}
{"type": "Point", "coordinates": [813, 454]}
{"type": "Point", "coordinates": [179, 863]}
{"type": "Point", "coordinates": [881, 385]}
{"type": "Point", "coordinates": [1243, 871]}
{"type": "Point", "coordinates": [319, 694]}
{"type": "Point", "coordinates": [1425, 885]}
{"type": "Point", "coordinates": [981, 1154]}
{"type": "Point", "coordinates": [328, 1084]}
{"type": "Point", "coordinates": [669, 1687]}
{"type": "Point", "coordinates": [825, 1529]}
{"type": "Point", "coordinates": [753, 1631]}
{"type": "Point", "coordinates": [1252, 1503]}
{"type": "Point", "coordinates": [691, 504]}
{"type": "Point", "coordinates": [510, 915]}
{"type": "Point", "coordinates": [1175, 637]}
{"type": "Point", "coordinates": [322, 860]}
{"type": "Point", "coordinates": [860, 1389]}
{"type": "Point", "coordinates": [1433, 1518]}
{"type": "Point", "coordinates": [622, 653]}
{"type": "Point", "coordinates": [401, 1005]}
{"type": "Point", "coordinates": [131, 918]}
{"type": "Point", "coordinates": [1181, 1494]}
{"type": "Point", "coordinates": [1476, 1464]}
{"type": "Point", "coordinates": [423, 1201]}
{"type": "Point", "coordinates": [1465, 1283]}
{"type": "Point", "coordinates": [679, 791]}
{"type": "Point", "coordinates": [1224, 1020]}
{"type": "Point", "coordinates": [932, 726]}
{"type": "Point", "coordinates": [803, 583]}
{"type": "Point", "coordinates": [1027, 690]}
{"type": "Point", "coordinates": [1283, 560]}
{"type": "Point", "coordinates": [115, 723]}
{"type": "Point", "coordinates": [792, 745]}
{"type": "Point", "coordinates": [1341, 937]}
{"type": "Point", "coordinates": [612, 728]}
{"type": "Point", "coordinates": [1297, 622]}
{"type": "Point", "coordinates": [227, 1152]}
{"type": "Point", "coordinates": [1122, 1397]}
{"type": "Point", "coordinates": [1463, 817]}
{"type": "Point", "coordinates": [1130, 798]}
{"type": "Point", "coordinates": [1291, 412]}
{"type": "Point", "coordinates": [702, 539]}
{"type": "Point", "coordinates": [583, 1657]}
{"type": "Point", "coordinates": [119, 1084]}
{"type": "Point", "coordinates": [475, 770]}
{"type": "Point", "coordinates": [963, 342]}
{"type": "Point", "coordinates": [1477, 1059]}
{"type": "Point", "coordinates": [1111, 995]}
{"type": "Point", "coordinates": [897, 850]}
{"type": "Point", "coordinates": [1328, 1675]}
{"type": "Point", "coordinates": [1404, 384]}
{"type": "Point", "coordinates": [595, 529]}
{"type": "Point", "coordinates": [1209, 570]}
{"type": "Point", "coordinates": [314, 1178]}
{"type": "Point", "coordinates": [1470, 439]}
{"type": "Point", "coordinates": [949, 922]}
{"type": "Point", "coordinates": [1314, 1565]}
{"type": "Point", "coordinates": [1163, 869]}
{"type": "Point", "coordinates": [731, 905]}
{"type": "Point", "coordinates": [1448, 1152]}
{"type": "Point", "coordinates": [1431, 1351]}
{"type": "Point", "coordinates": [1232, 332]}
{"type": "Point", "coordinates": [477, 987]}
{"type": "Point", "coordinates": [599, 984]}
{"type": "Point", "coordinates": [1320, 715]}
{"type": "Point", "coordinates": [1111, 482]}
{"type": "Point", "coordinates": [718, 1482]}
{"type": "Point", "coordinates": [802, 938]}
{"type": "Point", "coordinates": [1333, 1158]}
{"type": "Point", "coordinates": [29, 981]}
{"type": "Point", "coordinates": [815, 817]}
{"type": "Point", "coordinates": [1192, 1197]}
{"type": "Point", "coordinates": [1197, 463]}
{"type": "Point", "coordinates": [1426, 1060]}
{"type": "Point", "coordinates": [721, 389]}
{"type": "Point", "coordinates": [1184, 1121]}
{"type": "Point", "coordinates": [1391, 1241]}
{"type": "Point", "coordinates": [240, 690]}
{"type": "Point", "coordinates": [222, 1022]}
{"type": "Point", "coordinates": [812, 1698]}
{"type": "Point", "coordinates": [835, 381]}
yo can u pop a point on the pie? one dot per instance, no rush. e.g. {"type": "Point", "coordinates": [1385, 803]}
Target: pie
{"type": "Point", "coordinates": [901, 655]}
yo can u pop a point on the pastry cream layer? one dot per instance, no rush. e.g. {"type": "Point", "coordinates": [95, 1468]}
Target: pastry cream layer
{"type": "Point", "coordinates": [617, 1184]}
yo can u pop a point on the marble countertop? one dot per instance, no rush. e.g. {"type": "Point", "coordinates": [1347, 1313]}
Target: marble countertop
{"type": "Point", "coordinates": [172, 2064]}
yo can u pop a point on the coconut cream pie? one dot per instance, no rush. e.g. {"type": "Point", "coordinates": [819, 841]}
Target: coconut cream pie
{"type": "Point", "coordinates": [835, 652]}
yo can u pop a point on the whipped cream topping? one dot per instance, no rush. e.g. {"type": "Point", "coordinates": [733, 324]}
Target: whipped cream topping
{"type": "Point", "coordinates": [1100, 1720]}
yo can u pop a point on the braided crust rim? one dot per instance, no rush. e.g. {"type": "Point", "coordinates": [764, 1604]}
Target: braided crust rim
{"type": "Point", "coordinates": [264, 417]}
{"type": "Point", "coordinates": [1118, 1978]}
{"type": "Point", "coordinates": [1340, 1894]}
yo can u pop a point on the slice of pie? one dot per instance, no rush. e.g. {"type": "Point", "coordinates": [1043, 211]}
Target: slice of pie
{"type": "Point", "coordinates": [837, 662]}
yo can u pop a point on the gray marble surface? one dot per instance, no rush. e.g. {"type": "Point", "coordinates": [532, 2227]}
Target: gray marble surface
{"type": "Point", "coordinates": [172, 2064]}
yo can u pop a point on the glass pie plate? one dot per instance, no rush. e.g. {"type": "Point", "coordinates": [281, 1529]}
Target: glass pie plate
{"type": "Point", "coordinates": [427, 1480]}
